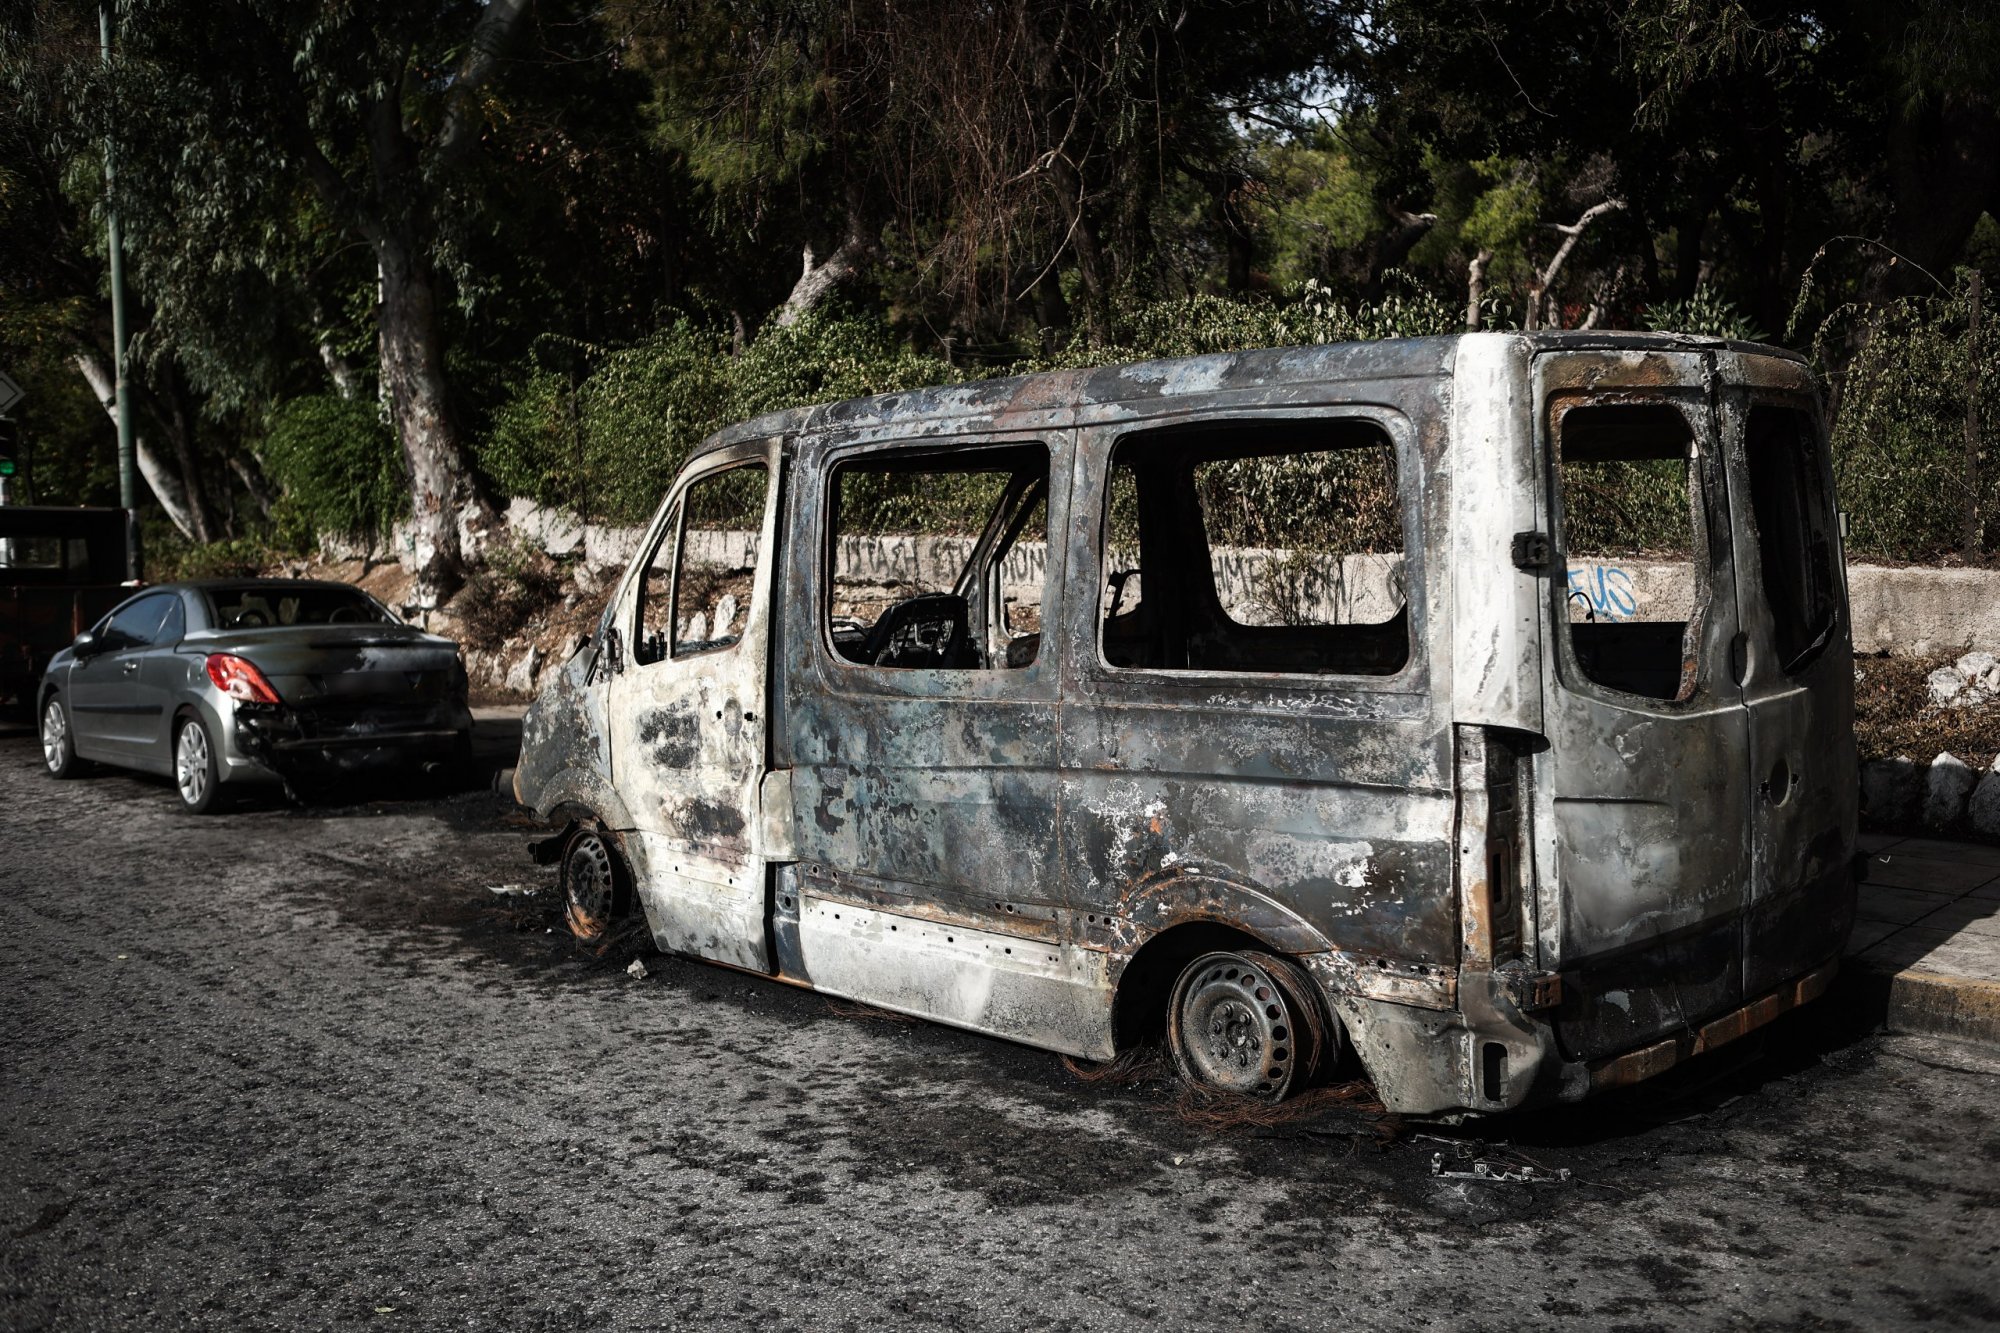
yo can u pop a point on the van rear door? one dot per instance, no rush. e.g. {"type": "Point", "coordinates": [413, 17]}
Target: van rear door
{"type": "Point", "coordinates": [1645, 718]}
{"type": "Point", "coordinates": [1798, 671]}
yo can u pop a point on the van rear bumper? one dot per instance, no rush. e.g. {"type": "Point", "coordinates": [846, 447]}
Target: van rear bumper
{"type": "Point", "coordinates": [1657, 1058]}
{"type": "Point", "coordinates": [1490, 1056]}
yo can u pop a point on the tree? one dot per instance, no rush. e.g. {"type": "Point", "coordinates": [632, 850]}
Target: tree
{"type": "Point", "coordinates": [375, 109]}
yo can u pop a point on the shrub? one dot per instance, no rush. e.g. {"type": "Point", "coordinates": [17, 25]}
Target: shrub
{"type": "Point", "coordinates": [339, 465]}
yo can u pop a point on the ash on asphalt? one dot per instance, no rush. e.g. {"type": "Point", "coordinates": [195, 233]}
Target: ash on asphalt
{"type": "Point", "coordinates": [1613, 1147]}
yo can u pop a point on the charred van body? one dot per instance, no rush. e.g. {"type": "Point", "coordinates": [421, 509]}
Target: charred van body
{"type": "Point", "coordinates": [1478, 708]}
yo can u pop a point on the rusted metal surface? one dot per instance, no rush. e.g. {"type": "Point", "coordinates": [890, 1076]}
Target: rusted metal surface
{"type": "Point", "coordinates": [1497, 872]}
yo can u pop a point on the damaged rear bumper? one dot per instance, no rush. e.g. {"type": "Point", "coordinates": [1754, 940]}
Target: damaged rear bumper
{"type": "Point", "coordinates": [293, 741]}
{"type": "Point", "coordinates": [1491, 1054]}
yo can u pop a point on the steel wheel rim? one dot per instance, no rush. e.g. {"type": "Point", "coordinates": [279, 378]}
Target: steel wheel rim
{"type": "Point", "coordinates": [589, 890]}
{"type": "Point", "coordinates": [191, 764]}
{"type": "Point", "coordinates": [55, 733]}
{"type": "Point", "coordinates": [1236, 1032]}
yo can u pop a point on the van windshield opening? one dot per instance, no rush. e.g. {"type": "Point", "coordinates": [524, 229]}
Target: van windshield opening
{"type": "Point", "coordinates": [1635, 545]}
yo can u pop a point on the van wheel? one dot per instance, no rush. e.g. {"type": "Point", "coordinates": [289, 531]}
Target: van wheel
{"type": "Point", "coordinates": [594, 885]}
{"type": "Point", "coordinates": [58, 745]}
{"type": "Point", "coordinates": [1246, 1023]}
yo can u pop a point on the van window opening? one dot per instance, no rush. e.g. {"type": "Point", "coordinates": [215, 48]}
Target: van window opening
{"type": "Point", "coordinates": [1636, 548]}
{"type": "Point", "coordinates": [939, 562]}
{"type": "Point", "coordinates": [1270, 547]}
{"type": "Point", "coordinates": [1794, 531]}
{"type": "Point", "coordinates": [694, 596]}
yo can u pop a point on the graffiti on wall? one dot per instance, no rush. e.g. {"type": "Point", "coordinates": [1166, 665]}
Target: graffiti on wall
{"type": "Point", "coordinates": [1604, 591]}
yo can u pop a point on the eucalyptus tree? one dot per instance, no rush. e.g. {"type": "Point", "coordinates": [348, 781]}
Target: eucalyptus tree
{"type": "Point", "coordinates": [263, 125]}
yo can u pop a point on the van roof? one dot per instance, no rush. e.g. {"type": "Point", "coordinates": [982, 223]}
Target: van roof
{"type": "Point", "coordinates": [994, 400]}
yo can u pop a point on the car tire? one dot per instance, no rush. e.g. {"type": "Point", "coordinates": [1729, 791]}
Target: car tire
{"type": "Point", "coordinates": [197, 774]}
{"type": "Point", "coordinates": [58, 740]}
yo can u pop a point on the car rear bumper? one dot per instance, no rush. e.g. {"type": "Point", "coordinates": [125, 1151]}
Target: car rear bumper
{"type": "Point", "coordinates": [284, 741]}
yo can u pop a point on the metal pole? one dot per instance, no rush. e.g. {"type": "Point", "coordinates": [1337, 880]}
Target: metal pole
{"type": "Point", "coordinates": [128, 478]}
{"type": "Point", "coordinates": [1970, 538]}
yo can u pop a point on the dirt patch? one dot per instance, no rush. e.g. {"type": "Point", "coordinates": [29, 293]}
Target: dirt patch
{"type": "Point", "coordinates": [1893, 715]}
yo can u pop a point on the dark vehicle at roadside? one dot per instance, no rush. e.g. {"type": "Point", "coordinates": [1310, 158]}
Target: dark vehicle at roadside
{"type": "Point", "coordinates": [225, 684]}
{"type": "Point", "coordinates": [60, 569]}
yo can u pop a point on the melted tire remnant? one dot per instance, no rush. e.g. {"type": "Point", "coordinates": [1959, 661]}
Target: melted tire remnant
{"type": "Point", "coordinates": [594, 886]}
{"type": "Point", "coordinates": [1246, 1024]}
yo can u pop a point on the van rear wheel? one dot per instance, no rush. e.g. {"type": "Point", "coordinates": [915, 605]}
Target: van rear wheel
{"type": "Point", "coordinates": [1246, 1023]}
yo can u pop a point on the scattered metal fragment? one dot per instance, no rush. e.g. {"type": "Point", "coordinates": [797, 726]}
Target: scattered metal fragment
{"type": "Point", "coordinates": [1498, 1172]}
{"type": "Point", "coordinates": [513, 890]}
{"type": "Point", "coordinates": [637, 971]}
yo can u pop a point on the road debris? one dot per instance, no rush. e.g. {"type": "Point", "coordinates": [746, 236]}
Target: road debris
{"type": "Point", "coordinates": [513, 890]}
{"type": "Point", "coordinates": [637, 971]}
{"type": "Point", "coordinates": [1498, 1172]}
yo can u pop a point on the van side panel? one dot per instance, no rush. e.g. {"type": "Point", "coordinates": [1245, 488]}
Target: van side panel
{"type": "Point", "coordinates": [1313, 812]}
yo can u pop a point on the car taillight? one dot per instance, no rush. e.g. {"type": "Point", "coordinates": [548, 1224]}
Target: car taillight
{"type": "Point", "coordinates": [240, 679]}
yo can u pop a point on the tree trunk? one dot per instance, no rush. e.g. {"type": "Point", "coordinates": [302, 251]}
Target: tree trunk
{"type": "Point", "coordinates": [178, 427]}
{"type": "Point", "coordinates": [444, 489]}
{"type": "Point", "coordinates": [817, 281]}
{"type": "Point", "coordinates": [1090, 272]}
{"type": "Point", "coordinates": [1475, 289]}
{"type": "Point", "coordinates": [159, 473]}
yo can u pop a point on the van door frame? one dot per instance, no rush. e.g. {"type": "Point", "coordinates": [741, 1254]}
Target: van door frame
{"type": "Point", "coordinates": [1800, 757]}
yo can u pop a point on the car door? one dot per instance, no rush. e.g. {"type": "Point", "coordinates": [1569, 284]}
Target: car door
{"type": "Point", "coordinates": [688, 711]}
{"type": "Point", "coordinates": [922, 733]}
{"type": "Point", "coordinates": [115, 712]}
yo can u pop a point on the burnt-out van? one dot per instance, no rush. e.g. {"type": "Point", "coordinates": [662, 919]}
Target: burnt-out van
{"type": "Point", "coordinates": [1474, 710]}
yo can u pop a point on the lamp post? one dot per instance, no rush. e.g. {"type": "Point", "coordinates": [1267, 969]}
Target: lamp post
{"type": "Point", "coordinates": [128, 488]}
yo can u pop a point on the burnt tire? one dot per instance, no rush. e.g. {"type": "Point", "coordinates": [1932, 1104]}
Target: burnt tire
{"type": "Point", "coordinates": [1247, 1024]}
{"type": "Point", "coordinates": [596, 887]}
{"type": "Point", "coordinates": [58, 741]}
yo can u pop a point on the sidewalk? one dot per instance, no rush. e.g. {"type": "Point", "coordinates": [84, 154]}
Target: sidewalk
{"type": "Point", "coordinates": [1926, 944]}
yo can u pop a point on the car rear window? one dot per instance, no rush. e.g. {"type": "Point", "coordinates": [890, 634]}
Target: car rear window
{"type": "Point", "coordinates": [256, 606]}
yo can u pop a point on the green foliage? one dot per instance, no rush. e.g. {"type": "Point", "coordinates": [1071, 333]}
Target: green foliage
{"type": "Point", "coordinates": [608, 444]}
{"type": "Point", "coordinates": [339, 465]}
{"type": "Point", "coordinates": [169, 559]}
{"type": "Point", "coordinates": [1899, 441]}
{"type": "Point", "coordinates": [1706, 313]}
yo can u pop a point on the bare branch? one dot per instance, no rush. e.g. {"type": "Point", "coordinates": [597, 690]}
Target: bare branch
{"type": "Point", "coordinates": [1571, 234]}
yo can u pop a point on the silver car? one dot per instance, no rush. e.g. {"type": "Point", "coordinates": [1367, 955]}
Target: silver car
{"type": "Point", "coordinates": [226, 683]}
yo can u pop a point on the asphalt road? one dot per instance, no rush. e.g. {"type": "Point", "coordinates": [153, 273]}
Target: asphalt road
{"type": "Point", "coordinates": [300, 1069]}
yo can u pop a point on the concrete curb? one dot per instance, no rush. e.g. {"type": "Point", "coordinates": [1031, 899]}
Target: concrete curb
{"type": "Point", "coordinates": [1924, 1003]}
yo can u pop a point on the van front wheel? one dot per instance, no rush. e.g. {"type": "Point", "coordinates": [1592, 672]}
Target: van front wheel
{"type": "Point", "coordinates": [1246, 1023]}
{"type": "Point", "coordinates": [595, 886]}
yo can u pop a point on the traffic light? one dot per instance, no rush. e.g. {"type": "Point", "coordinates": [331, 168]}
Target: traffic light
{"type": "Point", "coordinates": [10, 450]}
